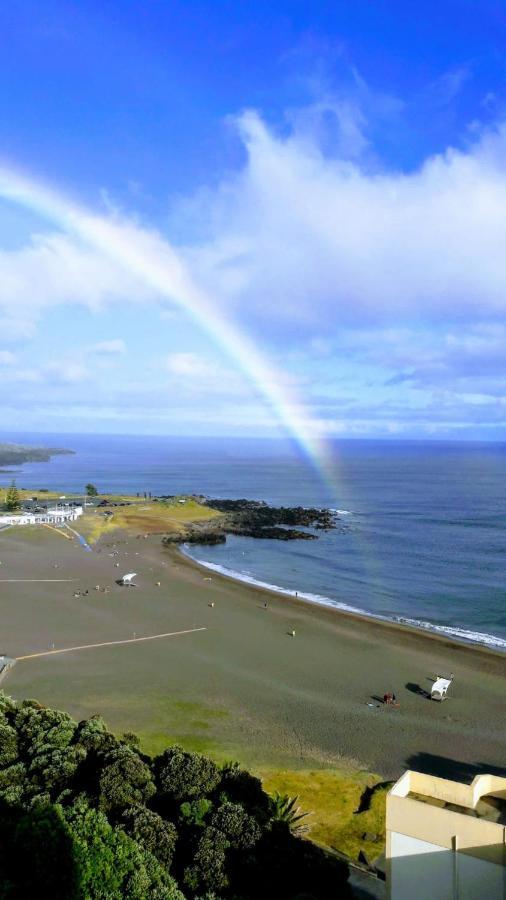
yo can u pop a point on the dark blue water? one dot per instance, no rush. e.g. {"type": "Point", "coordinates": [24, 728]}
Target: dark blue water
{"type": "Point", "coordinates": [423, 534]}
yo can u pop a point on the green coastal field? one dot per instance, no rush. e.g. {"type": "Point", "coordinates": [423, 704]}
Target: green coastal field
{"type": "Point", "coordinates": [144, 516]}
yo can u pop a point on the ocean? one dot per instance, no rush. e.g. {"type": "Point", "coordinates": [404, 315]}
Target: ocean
{"type": "Point", "coordinates": [422, 525]}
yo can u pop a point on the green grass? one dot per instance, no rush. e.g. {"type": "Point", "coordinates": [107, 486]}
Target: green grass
{"type": "Point", "coordinates": [25, 494]}
{"type": "Point", "coordinates": [196, 726]}
{"type": "Point", "coordinates": [144, 517]}
{"type": "Point", "coordinates": [333, 798]}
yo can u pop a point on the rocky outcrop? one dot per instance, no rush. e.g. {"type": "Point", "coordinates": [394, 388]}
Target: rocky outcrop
{"type": "Point", "coordinates": [194, 535]}
{"type": "Point", "coordinates": [256, 519]}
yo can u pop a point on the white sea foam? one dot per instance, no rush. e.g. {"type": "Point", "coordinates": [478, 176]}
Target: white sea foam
{"type": "Point", "coordinates": [460, 634]}
{"type": "Point", "coordinates": [455, 633]}
{"type": "Point", "coordinates": [289, 592]}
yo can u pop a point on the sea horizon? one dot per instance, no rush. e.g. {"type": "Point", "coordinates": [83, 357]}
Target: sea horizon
{"type": "Point", "coordinates": [420, 524]}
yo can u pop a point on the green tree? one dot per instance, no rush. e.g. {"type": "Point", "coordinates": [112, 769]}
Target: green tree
{"type": "Point", "coordinates": [91, 490]}
{"type": "Point", "coordinates": [36, 854]}
{"type": "Point", "coordinates": [40, 728]}
{"type": "Point", "coordinates": [194, 812]}
{"type": "Point", "coordinates": [125, 781]}
{"type": "Point", "coordinates": [7, 704]}
{"type": "Point", "coordinates": [239, 828]}
{"type": "Point", "coordinates": [152, 832]}
{"type": "Point", "coordinates": [94, 735]}
{"type": "Point", "coordinates": [12, 499]}
{"type": "Point", "coordinates": [8, 743]}
{"type": "Point", "coordinates": [183, 775]}
{"type": "Point", "coordinates": [74, 822]}
{"type": "Point", "coordinates": [110, 864]}
{"type": "Point", "coordinates": [242, 787]}
{"type": "Point", "coordinates": [208, 869]}
{"type": "Point", "coordinates": [13, 780]}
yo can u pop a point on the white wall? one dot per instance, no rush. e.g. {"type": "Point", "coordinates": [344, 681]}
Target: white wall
{"type": "Point", "coordinates": [423, 871]}
{"type": "Point", "coordinates": [419, 870]}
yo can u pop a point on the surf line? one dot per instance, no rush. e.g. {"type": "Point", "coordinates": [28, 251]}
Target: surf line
{"type": "Point", "coordinates": [150, 637]}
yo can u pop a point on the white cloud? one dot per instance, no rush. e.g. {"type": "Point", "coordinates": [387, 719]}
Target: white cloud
{"type": "Point", "coordinates": [192, 366]}
{"type": "Point", "coordinates": [401, 272]}
{"type": "Point", "coordinates": [65, 371]}
{"type": "Point", "coordinates": [54, 270]}
{"type": "Point", "coordinates": [307, 239]}
{"type": "Point", "coordinates": [7, 358]}
{"type": "Point", "coordinates": [113, 347]}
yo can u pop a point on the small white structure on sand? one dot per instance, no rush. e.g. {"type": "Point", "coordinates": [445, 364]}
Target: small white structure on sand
{"type": "Point", "coordinates": [440, 687]}
{"type": "Point", "coordinates": [127, 579]}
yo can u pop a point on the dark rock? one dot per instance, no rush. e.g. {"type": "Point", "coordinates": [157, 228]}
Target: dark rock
{"type": "Point", "coordinates": [256, 519]}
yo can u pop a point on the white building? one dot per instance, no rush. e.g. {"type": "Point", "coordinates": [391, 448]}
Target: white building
{"type": "Point", "coordinates": [58, 515]}
{"type": "Point", "coordinates": [446, 840]}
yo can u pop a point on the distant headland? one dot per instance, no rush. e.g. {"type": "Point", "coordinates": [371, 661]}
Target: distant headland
{"type": "Point", "coordinates": [17, 454]}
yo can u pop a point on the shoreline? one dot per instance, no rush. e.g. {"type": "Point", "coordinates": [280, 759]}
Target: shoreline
{"type": "Point", "coordinates": [243, 687]}
{"type": "Point", "coordinates": [304, 600]}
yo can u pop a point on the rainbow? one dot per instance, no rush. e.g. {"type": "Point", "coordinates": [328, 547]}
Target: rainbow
{"type": "Point", "coordinates": [150, 258]}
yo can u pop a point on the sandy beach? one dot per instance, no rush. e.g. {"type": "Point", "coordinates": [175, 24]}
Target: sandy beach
{"type": "Point", "coordinates": [243, 687]}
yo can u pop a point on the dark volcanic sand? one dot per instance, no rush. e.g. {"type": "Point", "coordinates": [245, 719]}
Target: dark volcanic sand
{"type": "Point", "coordinates": [243, 688]}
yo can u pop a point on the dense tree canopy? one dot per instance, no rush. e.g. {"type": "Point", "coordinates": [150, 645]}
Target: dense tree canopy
{"type": "Point", "coordinates": [181, 774]}
{"type": "Point", "coordinates": [86, 816]}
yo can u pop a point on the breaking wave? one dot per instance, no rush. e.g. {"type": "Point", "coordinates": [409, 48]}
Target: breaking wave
{"type": "Point", "coordinates": [461, 635]}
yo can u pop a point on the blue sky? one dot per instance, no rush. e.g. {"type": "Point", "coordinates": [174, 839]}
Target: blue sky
{"type": "Point", "coordinates": [331, 177]}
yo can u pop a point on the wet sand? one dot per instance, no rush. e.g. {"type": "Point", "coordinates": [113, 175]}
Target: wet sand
{"type": "Point", "coordinates": [243, 688]}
